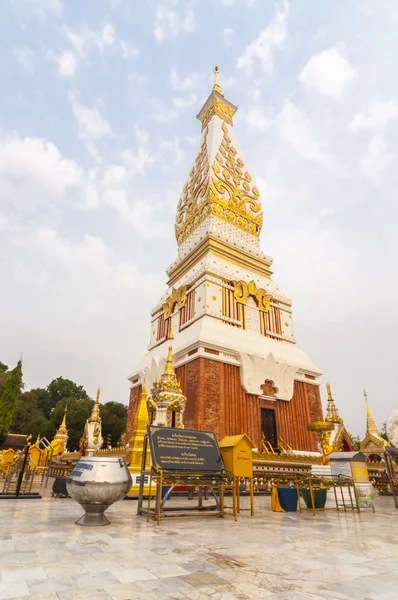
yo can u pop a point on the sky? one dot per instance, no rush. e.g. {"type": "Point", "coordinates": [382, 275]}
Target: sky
{"type": "Point", "coordinates": [98, 134]}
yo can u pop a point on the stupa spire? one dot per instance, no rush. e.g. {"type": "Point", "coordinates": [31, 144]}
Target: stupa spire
{"type": "Point", "coordinates": [371, 426]}
{"type": "Point", "coordinates": [217, 86]}
{"type": "Point", "coordinates": [169, 363]}
{"type": "Point", "coordinates": [332, 414]}
{"type": "Point", "coordinates": [95, 414]}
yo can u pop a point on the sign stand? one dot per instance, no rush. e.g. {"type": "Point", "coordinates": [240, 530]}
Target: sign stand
{"type": "Point", "coordinates": [182, 457]}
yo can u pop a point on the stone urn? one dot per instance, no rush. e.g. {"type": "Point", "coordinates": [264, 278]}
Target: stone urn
{"type": "Point", "coordinates": [96, 483]}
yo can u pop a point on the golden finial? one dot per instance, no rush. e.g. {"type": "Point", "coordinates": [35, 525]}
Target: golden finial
{"type": "Point", "coordinates": [217, 86]}
{"type": "Point", "coordinates": [95, 413]}
{"type": "Point", "coordinates": [329, 391]}
{"type": "Point", "coordinates": [64, 418]}
{"type": "Point", "coordinates": [169, 363]}
{"type": "Point", "coordinates": [38, 439]}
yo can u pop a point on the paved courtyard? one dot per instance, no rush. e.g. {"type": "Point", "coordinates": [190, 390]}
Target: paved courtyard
{"type": "Point", "coordinates": [278, 556]}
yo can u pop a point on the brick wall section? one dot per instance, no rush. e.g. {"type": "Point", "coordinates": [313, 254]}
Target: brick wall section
{"type": "Point", "coordinates": [217, 402]}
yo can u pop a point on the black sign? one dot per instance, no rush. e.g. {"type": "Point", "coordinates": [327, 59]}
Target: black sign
{"type": "Point", "coordinates": [182, 450]}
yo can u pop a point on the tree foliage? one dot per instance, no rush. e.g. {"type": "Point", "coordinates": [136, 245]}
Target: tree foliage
{"type": "Point", "coordinates": [41, 410]}
{"type": "Point", "coordinates": [3, 367]}
{"type": "Point", "coordinates": [8, 400]}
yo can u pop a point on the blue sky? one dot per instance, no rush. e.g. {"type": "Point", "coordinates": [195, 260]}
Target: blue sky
{"type": "Point", "coordinates": [97, 136]}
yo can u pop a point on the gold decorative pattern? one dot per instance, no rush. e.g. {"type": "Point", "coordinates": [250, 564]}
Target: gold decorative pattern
{"type": "Point", "coordinates": [227, 194]}
{"type": "Point", "coordinates": [219, 108]}
{"type": "Point", "coordinates": [194, 194]}
{"type": "Point", "coordinates": [177, 296]}
{"type": "Point", "coordinates": [243, 290]}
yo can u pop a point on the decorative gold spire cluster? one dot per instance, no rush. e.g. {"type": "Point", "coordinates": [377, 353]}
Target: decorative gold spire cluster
{"type": "Point", "coordinates": [167, 391]}
{"type": "Point", "coordinates": [332, 415]}
{"type": "Point", "coordinates": [62, 430]}
{"type": "Point", "coordinates": [95, 414]}
{"type": "Point", "coordinates": [371, 427]}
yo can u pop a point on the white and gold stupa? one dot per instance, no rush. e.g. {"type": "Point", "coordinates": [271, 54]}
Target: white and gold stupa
{"type": "Point", "coordinates": [235, 353]}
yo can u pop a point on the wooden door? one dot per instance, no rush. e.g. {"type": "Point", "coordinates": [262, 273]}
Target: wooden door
{"type": "Point", "coordinates": [268, 426]}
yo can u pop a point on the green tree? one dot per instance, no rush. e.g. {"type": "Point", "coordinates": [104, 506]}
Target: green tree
{"type": "Point", "coordinates": [28, 417]}
{"type": "Point", "coordinates": [8, 400]}
{"type": "Point", "coordinates": [114, 418]}
{"type": "Point", "coordinates": [3, 367]}
{"type": "Point", "coordinates": [357, 441]}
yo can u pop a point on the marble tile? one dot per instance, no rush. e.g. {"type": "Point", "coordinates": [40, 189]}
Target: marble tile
{"type": "Point", "coordinates": [168, 571]}
{"type": "Point", "coordinates": [270, 556]}
{"type": "Point", "coordinates": [205, 579]}
{"type": "Point", "coordinates": [126, 591]}
{"type": "Point", "coordinates": [129, 575]}
{"type": "Point", "coordinates": [13, 590]}
{"type": "Point", "coordinates": [14, 575]}
{"type": "Point", "coordinates": [95, 580]}
{"type": "Point", "coordinates": [51, 585]}
{"type": "Point", "coordinates": [79, 594]}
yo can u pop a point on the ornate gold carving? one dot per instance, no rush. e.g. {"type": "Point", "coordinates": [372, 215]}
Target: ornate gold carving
{"type": "Point", "coordinates": [227, 194]}
{"type": "Point", "coordinates": [219, 108]}
{"type": "Point", "coordinates": [177, 296]}
{"type": "Point", "coordinates": [243, 290]}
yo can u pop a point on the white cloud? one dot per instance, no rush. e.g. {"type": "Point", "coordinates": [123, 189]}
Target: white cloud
{"type": "Point", "coordinates": [141, 134]}
{"type": "Point", "coordinates": [376, 117]}
{"type": "Point", "coordinates": [377, 159]}
{"type": "Point", "coordinates": [169, 23]}
{"type": "Point", "coordinates": [90, 121]}
{"type": "Point", "coordinates": [228, 34]}
{"type": "Point", "coordinates": [180, 102]}
{"type": "Point", "coordinates": [257, 118]}
{"type": "Point", "coordinates": [137, 162]}
{"type": "Point", "coordinates": [181, 84]}
{"type": "Point", "coordinates": [174, 145]}
{"type": "Point", "coordinates": [294, 128]}
{"type": "Point", "coordinates": [101, 39]}
{"type": "Point", "coordinates": [36, 160]}
{"type": "Point", "coordinates": [67, 63]}
{"type": "Point", "coordinates": [328, 72]}
{"type": "Point", "coordinates": [129, 51]}
{"type": "Point", "coordinates": [25, 58]}
{"type": "Point", "coordinates": [39, 8]}
{"type": "Point", "coordinates": [263, 48]}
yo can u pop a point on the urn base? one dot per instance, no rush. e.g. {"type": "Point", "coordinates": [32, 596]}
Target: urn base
{"type": "Point", "coordinates": [93, 516]}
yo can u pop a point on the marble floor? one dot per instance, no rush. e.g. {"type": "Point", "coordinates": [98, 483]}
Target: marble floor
{"type": "Point", "coordinates": [278, 556]}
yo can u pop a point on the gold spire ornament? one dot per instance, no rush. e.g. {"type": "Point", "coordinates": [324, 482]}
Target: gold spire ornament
{"type": "Point", "coordinates": [169, 363]}
{"type": "Point", "coordinates": [61, 437]}
{"type": "Point", "coordinates": [332, 415]}
{"type": "Point", "coordinates": [95, 414]}
{"type": "Point", "coordinates": [371, 426]}
{"type": "Point", "coordinates": [217, 86]}
{"type": "Point", "coordinates": [141, 420]}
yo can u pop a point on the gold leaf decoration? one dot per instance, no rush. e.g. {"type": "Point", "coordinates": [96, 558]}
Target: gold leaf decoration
{"type": "Point", "coordinates": [243, 290]}
{"type": "Point", "coordinates": [177, 296]}
{"type": "Point", "coordinates": [225, 191]}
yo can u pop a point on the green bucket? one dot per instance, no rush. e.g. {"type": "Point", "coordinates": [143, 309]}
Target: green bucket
{"type": "Point", "coordinates": [319, 497]}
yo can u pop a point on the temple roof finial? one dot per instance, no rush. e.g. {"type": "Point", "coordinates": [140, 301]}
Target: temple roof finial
{"type": "Point", "coordinates": [217, 86]}
{"type": "Point", "coordinates": [169, 363]}
{"type": "Point", "coordinates": [95, 414]}
{"type": "Point", "coordinates": [371, 426]}
{"type": "Point", "coordinates": [332, 415]}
